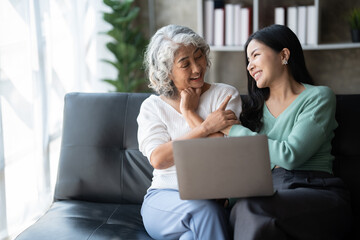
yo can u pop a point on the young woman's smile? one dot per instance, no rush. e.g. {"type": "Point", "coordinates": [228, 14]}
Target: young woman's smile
{"type": "Point", "coordinates": [256, 75]}
{"type": "Point", "coordinates": [263, 64]}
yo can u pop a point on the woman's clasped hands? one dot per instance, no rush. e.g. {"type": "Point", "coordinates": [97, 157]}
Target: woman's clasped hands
{"type": "Point", "coordinates": [220, 120]}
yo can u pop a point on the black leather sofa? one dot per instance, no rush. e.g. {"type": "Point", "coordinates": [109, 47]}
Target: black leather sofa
{"type": "Point", "coordinates": [102, 176]}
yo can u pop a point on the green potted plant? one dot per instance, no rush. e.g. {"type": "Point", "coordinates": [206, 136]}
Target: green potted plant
{"type": "Point", "coordinates": [354, 21]}
{"type": "Point", "coordinates": [127, 46]}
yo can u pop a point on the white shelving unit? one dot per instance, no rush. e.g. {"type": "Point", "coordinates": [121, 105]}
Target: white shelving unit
{"type": "Point", "coordinates": [331, 46]}
{"type": "Point", "coordinates": [255, 7]}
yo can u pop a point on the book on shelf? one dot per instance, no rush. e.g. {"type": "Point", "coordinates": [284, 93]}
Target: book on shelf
{"type": "Point", "coordinates": [301, 24]}
{"type": "Point", "coordinates": [237, 25]}
{"type": "Point", "coordinates": [312, 25]}
{"type": "Point", "coordinates": [226, 24]}
{"type": "Point", "coordinates": [245, 24]}
{"type": "Point", "coordinates": [302, 20]}
{"type": "Point", "coordinates": [219, 27]}
{"type": "Point", "coordinates": [292, 18]}
{"type": "Point", "coordinates": [209, 21]}
{"type": "Point", "coordinates": [229, 24]}
{"type": "Point", "coordinates": [280, 15]}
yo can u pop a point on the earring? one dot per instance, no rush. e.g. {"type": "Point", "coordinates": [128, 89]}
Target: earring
{"type": "Point", "coordinates": [285, 62]}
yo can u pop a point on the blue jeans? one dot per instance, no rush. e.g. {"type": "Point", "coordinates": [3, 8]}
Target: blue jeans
{"type": "Point", "coordinates": [166, 216]}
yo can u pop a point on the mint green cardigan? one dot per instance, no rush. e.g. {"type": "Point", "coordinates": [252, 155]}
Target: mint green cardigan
{"type": "Point", "coordinates": [300, 137]}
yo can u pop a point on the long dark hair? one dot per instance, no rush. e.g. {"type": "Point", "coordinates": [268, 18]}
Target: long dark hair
{"type": "Point", "coordinates": [277, 37]}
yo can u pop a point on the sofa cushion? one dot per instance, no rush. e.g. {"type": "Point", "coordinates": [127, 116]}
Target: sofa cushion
{"type": "Point", "coordinates": [85, 220]}
{"type": "Point", "coordinates": [99, 159]}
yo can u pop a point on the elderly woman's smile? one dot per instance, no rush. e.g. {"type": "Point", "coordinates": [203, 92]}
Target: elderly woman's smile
{"type": "Point", "coordinates": [189, 67]}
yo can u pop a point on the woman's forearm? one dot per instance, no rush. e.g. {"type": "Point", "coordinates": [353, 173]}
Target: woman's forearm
{"type": "Point", "coordinates": [162, 156]}
{"type": "Point", "coordinates": [192, 118]}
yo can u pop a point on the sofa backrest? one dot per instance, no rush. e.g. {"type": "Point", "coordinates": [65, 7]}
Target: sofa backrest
{"type": "Point", "coordinates": [99, 158]}
{"type": "Point", "coordinates": [346, 148]}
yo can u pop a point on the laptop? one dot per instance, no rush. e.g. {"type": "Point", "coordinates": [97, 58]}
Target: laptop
{"type": "Point", "coordinates": [230, 167]}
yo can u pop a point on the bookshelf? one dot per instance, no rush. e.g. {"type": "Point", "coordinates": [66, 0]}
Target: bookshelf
{"type": "Point", "coordinates": [267, 17]}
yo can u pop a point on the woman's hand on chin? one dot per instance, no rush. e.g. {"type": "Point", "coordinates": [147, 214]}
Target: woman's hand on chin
{"type": "Point", "coordinates": [189, 100]}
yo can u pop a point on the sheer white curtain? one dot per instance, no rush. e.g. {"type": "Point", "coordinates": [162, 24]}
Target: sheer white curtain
{"type": "Point", "coordinates": [47, 48]}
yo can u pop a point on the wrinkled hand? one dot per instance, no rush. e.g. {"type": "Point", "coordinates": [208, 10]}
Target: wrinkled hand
{"type": "Point", "coordinates": [221, 119]}
{"type": "Point", "coordinates": [190, 98]}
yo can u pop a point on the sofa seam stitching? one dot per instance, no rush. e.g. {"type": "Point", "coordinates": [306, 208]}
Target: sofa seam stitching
{"type": "Point", "coordinates": [103, 223]}
{"type": "Point", "coordinates": [123, 155]}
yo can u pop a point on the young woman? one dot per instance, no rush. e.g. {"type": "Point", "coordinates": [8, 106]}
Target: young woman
{"type": "Point", "coordinates": [176, 61]}
{"type": "Point", "coordinates": [299, 121]}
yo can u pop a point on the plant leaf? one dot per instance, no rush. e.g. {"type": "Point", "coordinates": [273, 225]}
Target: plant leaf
{"type": "Point", "coordinates": [127, 46]}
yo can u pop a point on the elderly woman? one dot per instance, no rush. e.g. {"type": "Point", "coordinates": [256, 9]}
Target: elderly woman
{"type": "Point", "coordinates": [177, 59]}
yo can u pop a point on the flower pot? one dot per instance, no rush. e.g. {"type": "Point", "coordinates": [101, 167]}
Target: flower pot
{"type": "Point", "coordinates": [355, 35]}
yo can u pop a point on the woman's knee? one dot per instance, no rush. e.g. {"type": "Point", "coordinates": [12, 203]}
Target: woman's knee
{"type": "Point", "coordinates": [238, 210]}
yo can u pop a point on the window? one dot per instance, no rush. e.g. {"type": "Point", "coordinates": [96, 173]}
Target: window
{"type": "Point", "coordinates": [47, 48]}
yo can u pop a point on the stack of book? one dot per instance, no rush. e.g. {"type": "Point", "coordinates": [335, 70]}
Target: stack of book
{"type": "Point", "coordinates": [302, 20]}
{"type": "Point", "coordinates": [226, 24]}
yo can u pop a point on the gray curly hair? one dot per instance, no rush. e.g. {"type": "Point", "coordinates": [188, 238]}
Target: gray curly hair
{"type": "Point", "coordinates": [160, 54]}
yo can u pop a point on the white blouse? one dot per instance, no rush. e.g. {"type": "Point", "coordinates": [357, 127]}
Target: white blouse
{"type": "Point", "coordinates": [160, 123]}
